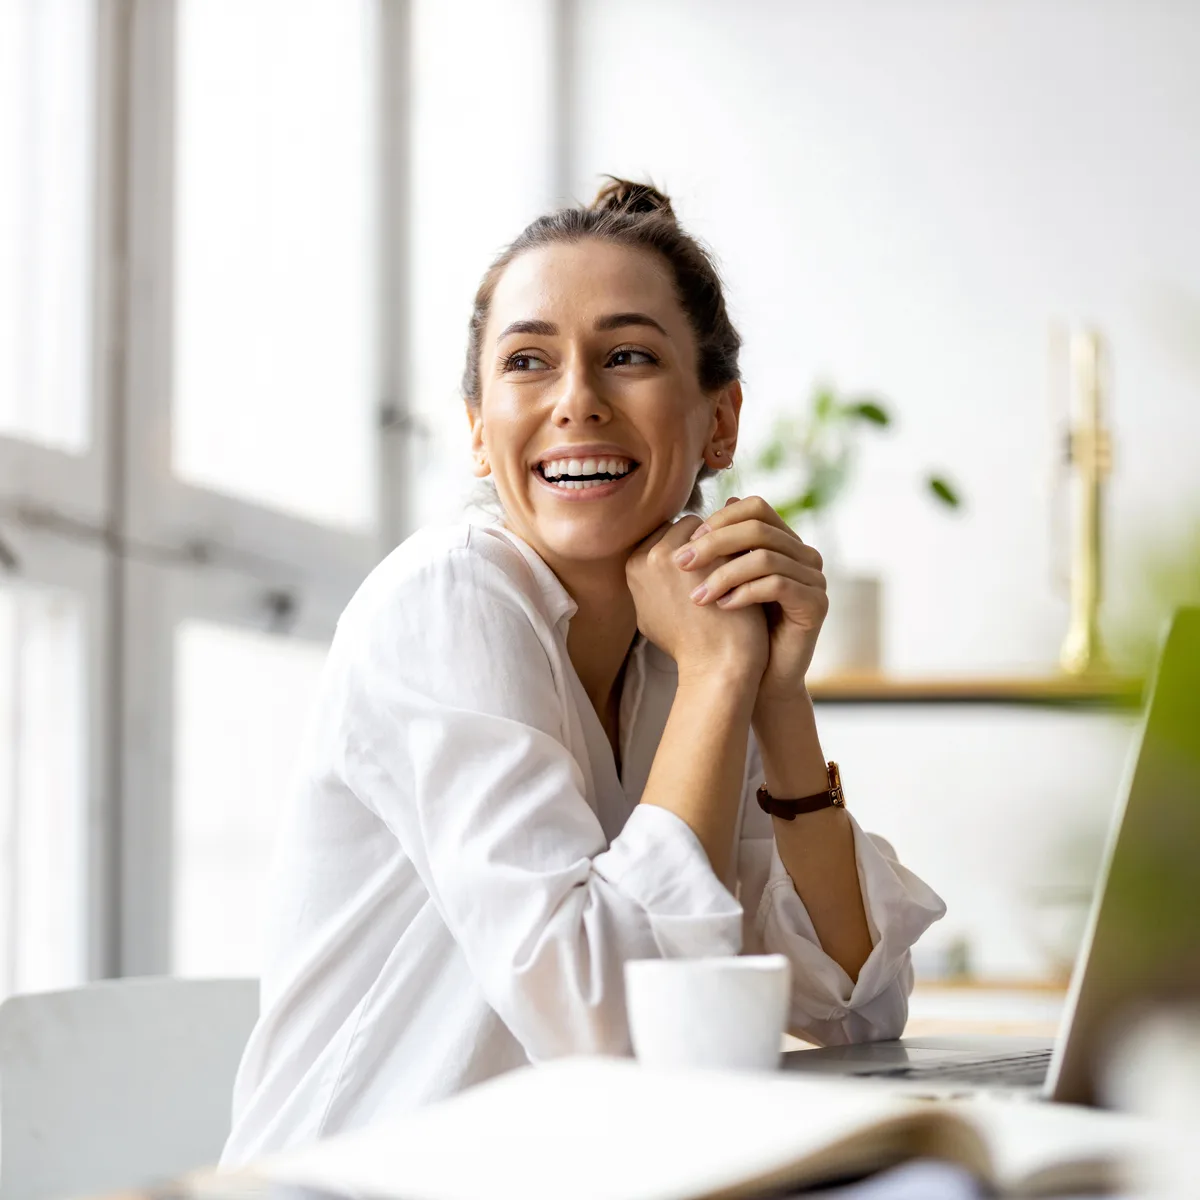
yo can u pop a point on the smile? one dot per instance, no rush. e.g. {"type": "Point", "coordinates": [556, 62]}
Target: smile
{"type": "Point", "coordinates": [587, 479]}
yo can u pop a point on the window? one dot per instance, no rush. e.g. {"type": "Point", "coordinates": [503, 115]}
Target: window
{"type": "Point", "coordinates": [47, 51]}
{"type": "Point", "coordinates": [43, 789]}
{"type": "Point", "coordinates": [191, 261]}
{"type": "Point", "coordinates": [275, 248]}
{"type": "Point", "coordinates": [236, 750]}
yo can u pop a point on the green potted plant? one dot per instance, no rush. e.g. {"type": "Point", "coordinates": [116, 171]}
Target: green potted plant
{"type": "Point", "coordinates": [806, 465]}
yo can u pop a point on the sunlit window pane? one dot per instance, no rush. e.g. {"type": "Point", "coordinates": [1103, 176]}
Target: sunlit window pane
{"type": "Point", "coordinates": [241, 703]}
{"type": "Point", "coordinates": [274, 350]}
{"type": "Point", "coordinates": [43, 783]}
{"type": "Point", "coordinates": [47, 49]}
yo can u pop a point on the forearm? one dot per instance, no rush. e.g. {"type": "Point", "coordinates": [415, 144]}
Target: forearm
{"type": "Point", "coordinates": [816, 848]}
{"type": "Point", "coordinates": [700, 763]}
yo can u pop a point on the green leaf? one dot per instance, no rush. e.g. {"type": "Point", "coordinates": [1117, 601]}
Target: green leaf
{"type": "Point", "coordinates": [943, 491]}
{"type": "Point", "coordinates": [869, 410]}
{"type": "Point", "coordinates": [809, 501]}
{"type": "Point", "coordinates": [824, 404]}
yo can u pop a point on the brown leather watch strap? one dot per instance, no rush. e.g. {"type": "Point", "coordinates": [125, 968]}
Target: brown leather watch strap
{"type": "Point", "coordinates": [788, 810]}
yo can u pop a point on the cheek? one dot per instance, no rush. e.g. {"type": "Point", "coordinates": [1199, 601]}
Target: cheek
{"type": "Point", "coordinates": [678, 428]}
{"type": "Point", "coordinates": [506, 427]}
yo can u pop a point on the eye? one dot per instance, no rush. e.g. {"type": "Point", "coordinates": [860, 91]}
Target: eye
{"type": "Point", "coordinates": [510, 363]}
{"type": "Point", "coordinates": [627, 350]}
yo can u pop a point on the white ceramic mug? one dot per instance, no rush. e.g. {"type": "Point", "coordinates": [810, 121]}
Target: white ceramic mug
{"type": "Point", "coordinates": [709, 1012]}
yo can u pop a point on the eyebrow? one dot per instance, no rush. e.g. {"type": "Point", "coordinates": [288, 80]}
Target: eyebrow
{"type": "Point", "coordinates": [612, 321]}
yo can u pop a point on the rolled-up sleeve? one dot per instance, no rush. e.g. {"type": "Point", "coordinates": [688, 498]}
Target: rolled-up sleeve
{"type": "Point", "coordinates": [829, 1008]}
{"type": "Point", "coordinates": [454, 737]}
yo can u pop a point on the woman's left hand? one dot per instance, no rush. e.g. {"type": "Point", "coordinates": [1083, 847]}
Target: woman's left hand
{"type": "Point", "coordinates": [771, 566]}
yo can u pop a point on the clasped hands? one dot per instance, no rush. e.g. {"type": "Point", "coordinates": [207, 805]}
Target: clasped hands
{"type": "Point", "coordinates": [737, 589]}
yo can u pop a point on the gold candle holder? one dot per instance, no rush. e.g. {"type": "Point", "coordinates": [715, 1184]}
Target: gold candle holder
{"type": "Point", "coordinates": [1088, 453]}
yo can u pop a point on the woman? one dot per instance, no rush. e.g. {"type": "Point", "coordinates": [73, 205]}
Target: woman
{"type": "Point", "coordinates": [537, 744]}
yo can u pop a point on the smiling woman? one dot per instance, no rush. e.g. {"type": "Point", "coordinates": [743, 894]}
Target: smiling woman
{"type": "Point", "coordinates": [549, 745]}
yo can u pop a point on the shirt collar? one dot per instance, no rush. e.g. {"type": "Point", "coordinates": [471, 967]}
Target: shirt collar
{"type": "Point", "coordinates": [559, 603]}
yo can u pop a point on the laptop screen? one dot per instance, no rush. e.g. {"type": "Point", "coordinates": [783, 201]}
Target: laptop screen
{"type": "Point", "coordinates": [1143, 943]}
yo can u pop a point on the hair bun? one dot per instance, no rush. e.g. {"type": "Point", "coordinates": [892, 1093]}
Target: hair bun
{"type": "Point", "coordinates": [624, 196]}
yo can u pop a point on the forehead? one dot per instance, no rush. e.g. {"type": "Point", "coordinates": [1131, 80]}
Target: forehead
{"type": "Point", "coordinates": [578, 281]}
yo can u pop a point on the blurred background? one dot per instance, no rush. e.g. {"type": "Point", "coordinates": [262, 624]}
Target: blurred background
{"type": "Point", "coordinates": [239, 241]}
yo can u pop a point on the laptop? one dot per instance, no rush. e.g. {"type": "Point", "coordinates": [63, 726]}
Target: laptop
{"type": "Point", "coordinates": [1142, 943]}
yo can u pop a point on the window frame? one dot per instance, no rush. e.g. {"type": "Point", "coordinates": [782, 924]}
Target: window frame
{"type": "Point", "coordinates": [142, 549]}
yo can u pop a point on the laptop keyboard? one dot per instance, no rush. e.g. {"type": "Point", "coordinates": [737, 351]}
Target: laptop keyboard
{"type": "Point", "coordinates": [1014, 1070]}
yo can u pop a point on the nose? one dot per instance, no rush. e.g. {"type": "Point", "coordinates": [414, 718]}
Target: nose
{"type": "Point", "coordinates": [579, 402]}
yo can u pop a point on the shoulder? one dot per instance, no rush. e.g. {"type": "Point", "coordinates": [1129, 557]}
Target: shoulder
{"type": "Point", "coordinates": [452, 617]}
{"type": "Point", "coordinates": [445, 571]}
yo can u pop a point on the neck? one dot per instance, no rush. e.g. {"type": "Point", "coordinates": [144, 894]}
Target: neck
{"type": "Point", "coordinates": [602, 628]}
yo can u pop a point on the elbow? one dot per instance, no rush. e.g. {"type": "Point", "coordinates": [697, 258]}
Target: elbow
{"type": "Point", "coordinates": [879, 1019]}
{"type": "Point", "coordinates": [885, 1015]}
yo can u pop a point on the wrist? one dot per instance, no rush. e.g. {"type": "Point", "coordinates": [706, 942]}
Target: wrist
{"type": "Point", "coordinates": [783, 712]}
{"type": "Point", "coordinates": [734, 678]}
{"type": "Point", "coordinates": [790, 748]}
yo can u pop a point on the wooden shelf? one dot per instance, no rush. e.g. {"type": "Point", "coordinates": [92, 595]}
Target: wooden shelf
{"type": "Point", "coordinates": [1051, 691]}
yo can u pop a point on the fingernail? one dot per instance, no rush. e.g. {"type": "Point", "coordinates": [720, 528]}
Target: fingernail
{"type": "Point", "coordinates": [684, 556]}
{"type": "Point", "coordinates": [699, 593]}
{"type": "Point", "coordinates": [725, 599]}
{"type": "Point", "coordinates": [701, 530]}
{"type": "Point", "coordinates": [731, 500]}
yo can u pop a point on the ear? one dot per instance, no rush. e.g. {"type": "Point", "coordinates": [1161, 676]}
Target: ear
{"type": "Point", "coordinates": [723, 436]}
{"type": "Point", "coordinates": [479, 457]}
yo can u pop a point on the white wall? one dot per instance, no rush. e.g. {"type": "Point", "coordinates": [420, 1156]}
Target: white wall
{"type": "Point", "coordinates": [901, 197]}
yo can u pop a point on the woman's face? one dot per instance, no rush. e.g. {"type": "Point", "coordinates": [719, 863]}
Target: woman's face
{"type": "Point", "coordinates": [588, 377]}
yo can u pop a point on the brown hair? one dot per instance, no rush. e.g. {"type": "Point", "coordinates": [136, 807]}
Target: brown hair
{"type": "Point", "coordinates": [637, 215]}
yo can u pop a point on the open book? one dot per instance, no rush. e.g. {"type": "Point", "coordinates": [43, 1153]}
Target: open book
{"type": "Point", "coordinates": [609, 1129]}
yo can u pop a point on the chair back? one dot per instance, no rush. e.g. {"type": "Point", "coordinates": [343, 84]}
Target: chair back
{"type": "Point", "coordinates": [117, 1084]}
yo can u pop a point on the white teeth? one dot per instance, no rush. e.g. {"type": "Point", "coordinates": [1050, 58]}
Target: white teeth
{"type": "Point", "coordinates": [575, 485]}
{"type": "Point", "coordinates": [588, 466]}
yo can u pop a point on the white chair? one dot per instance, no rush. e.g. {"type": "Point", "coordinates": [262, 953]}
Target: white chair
{"type": "Point", "coordinates": [117, 1084]}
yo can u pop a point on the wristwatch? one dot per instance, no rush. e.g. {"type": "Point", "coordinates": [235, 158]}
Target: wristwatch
{"type": "Point", "coordinates": [787, 810]}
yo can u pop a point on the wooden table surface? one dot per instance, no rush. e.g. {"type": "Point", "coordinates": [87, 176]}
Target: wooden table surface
{"type": "Point", "coordinates": [1028, 1008]}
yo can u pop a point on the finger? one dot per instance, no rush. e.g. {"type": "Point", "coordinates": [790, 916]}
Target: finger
{"type": "Point", "coordinates": [676, 535]}
{"type": "Point", "coordinates": [751, 508]}
{"type": "Point", "coordinates": [791, 596]}
{"type": "Point", "coordinates": [755, 564]}
{"type": "Point", "coordinates": [741, 537]}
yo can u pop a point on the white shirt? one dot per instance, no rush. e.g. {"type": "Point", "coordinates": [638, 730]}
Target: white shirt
{"type": "Point", "coordinates": [461, 874]}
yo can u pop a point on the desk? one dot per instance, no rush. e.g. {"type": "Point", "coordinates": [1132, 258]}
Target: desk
{"type": "Point", "coordinates": [1050, 691]}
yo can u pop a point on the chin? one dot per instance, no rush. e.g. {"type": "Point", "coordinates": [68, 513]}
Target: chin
{"type": "Point", "coordinates": [595, 536]}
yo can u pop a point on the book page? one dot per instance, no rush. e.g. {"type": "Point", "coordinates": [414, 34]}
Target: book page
{"type": "Point", "coordinates": [1044, 1149]}
{"type": "Point", "coordinates": [608, 1129]}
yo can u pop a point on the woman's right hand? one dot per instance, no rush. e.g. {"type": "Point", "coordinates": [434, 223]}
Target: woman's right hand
{"type": "Point", "coordinates": [700, 638]}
